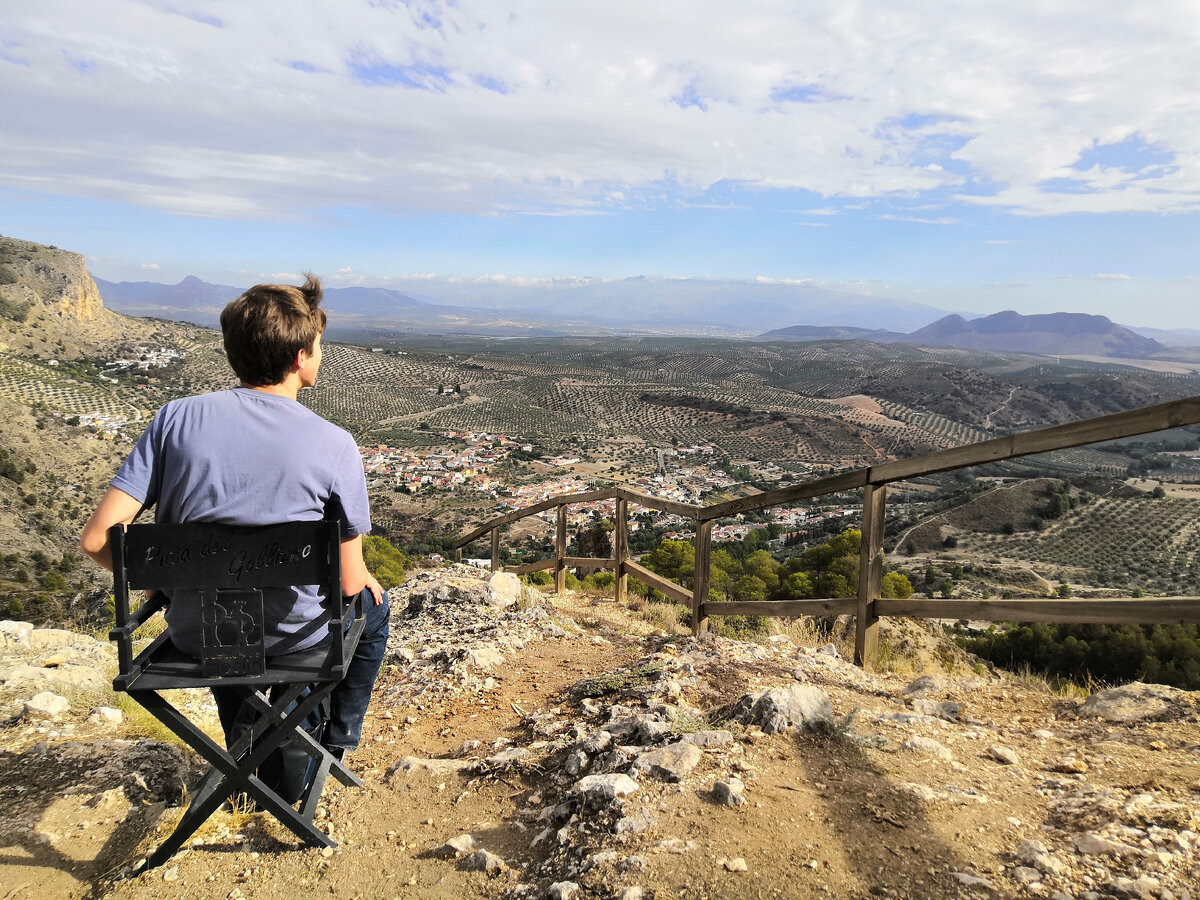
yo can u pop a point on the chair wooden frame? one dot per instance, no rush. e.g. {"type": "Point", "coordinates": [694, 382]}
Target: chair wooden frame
{"type": "Point", "coordinates": [226, 558]}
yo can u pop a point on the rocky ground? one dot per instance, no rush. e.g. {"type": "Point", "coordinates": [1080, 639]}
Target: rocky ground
{"type": "Point", "coordinates": [522, 746]}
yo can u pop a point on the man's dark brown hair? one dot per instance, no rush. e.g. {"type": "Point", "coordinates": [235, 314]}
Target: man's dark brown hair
{"type": "Point", "coordinates": [268, 325]}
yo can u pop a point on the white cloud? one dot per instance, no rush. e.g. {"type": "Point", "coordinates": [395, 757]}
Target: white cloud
{"type": "Point", "coordinates": [150, 267]}
{"type": "Point", "coordinates": [270, 110]}
{"type": "Point", "coordinates": [1111, 276]}
{"type": "Point", "coordinates": [939, 221]}
{"type": "Point", "coordinates": [764, 279]}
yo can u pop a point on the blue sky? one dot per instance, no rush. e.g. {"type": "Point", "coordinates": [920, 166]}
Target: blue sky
{"type": "Point", "coordinates": [1036, 157]}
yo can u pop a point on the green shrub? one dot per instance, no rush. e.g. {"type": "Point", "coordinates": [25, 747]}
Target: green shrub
{"type": "Point", "coordinates": [384, 561]}
{"type": "Point", "coordinates": [1163, 654]}
{"type": "Point", "coordinates": [11, 467]}
{"type": "Point", "coordinates": [739, 627]}
{"type": "Point", "coordinates": [52, 581]}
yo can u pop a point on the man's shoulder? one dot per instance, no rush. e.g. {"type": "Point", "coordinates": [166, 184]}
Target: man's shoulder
{"type": "Point", "coordinates": [289, 413]}
{"type": "Point", "coordinates": [320, 425]}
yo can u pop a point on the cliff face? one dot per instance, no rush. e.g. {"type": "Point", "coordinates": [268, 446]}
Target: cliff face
{"type": "Point", "coordinates": [56, 279]}
{"type": "Point", "coordinates": [50, 305]}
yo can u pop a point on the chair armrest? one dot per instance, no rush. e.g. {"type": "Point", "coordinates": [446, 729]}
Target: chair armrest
{"type": "Point", "coordinates": [138, 617]}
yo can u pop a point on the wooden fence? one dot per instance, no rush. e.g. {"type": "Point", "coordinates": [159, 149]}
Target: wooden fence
{"type": "Point", "coordinates": [868, 606]}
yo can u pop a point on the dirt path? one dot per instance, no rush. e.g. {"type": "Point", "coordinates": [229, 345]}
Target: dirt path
{"type": "Point", "coordinates": [387, 831]}
{"type": "Point", "coordinates": [904, 797]}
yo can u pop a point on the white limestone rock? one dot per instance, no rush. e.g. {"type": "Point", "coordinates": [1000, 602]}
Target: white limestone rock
{"type": "Point", "coordinates": [920, 744]}
{"type": "Point", "coordinates": [674, 762]}
{"type": "Point", "coordinates": [799, 706]}
{"type": "Point", "coordinates": [601, 789]}
{"type": "Point", "coordinates": [505, 588]}
{"type": "Point", "coordinates": [1132, 702]}
{"type": "Point", "coordinates": [46, 705]}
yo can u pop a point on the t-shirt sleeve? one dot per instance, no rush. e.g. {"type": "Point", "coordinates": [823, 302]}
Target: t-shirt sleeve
{"type": "Point", "coordinates": [140, 476]}
{"type": "Point", "coordinates": [350, 490]}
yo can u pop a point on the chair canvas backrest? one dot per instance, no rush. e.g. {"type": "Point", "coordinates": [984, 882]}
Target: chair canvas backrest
{"type": "Point", "coordinates": [228, 566]}
{"type": "Point", "coordinates": [202, 555]}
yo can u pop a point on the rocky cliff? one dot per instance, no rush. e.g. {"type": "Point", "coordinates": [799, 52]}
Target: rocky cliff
{"type": "Point", "coordinates": [49, 304]}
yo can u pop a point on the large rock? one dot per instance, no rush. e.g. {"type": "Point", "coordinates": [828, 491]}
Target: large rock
{"type": "Point", "coordinates": [46, 705]}
{"type": "Point", "coordinates": [674, 762]}
{"type": "Point", "coordinates": [506, 589]}
{"type": "Point", "coordinates": [59, 675]}
{"type": "Point", "coordinates": [39, 659]}
{"type": "Point", "coordinates": [601, 789]}
{"type": "Point", "coordinates": [799, 706]}
{"type": "Point", "coordinates": [459, 846]}
{"type": "Point", "coordinates": [1090, 844]}
{"type": "Point", "coordinates": [450, 589]}
{"type": "Point", "coordinates": [484, 657]}
{"type": "Point", "coordinates": [14, 636]}
{"type": "Point", "coordinates": [1132, 702]}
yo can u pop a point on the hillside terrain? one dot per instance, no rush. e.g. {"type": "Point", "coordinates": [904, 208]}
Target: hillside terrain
{"type": "Point", "coordinates": [78, 382]}
{"type": "Point", "coordinates": [522, 745]}
{"type": "Point", "coordinates": [967, 784]}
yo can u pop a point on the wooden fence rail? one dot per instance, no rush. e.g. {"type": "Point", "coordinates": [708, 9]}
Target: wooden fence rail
{"type": "Point", "coordinates": [868, 606]}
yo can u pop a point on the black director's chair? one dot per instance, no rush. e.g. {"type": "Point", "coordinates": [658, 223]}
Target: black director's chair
{"type": "Point", "coordinates": [230, 565]}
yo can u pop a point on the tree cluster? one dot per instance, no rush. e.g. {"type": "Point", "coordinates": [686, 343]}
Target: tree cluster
{"type": "Point", "coordinates": [744, 570]}
{"type": "Point", "coordinates": [1163, 654]}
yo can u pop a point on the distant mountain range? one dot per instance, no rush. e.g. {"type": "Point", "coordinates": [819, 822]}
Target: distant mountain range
{"type": "Point", "coordinates": [353, 310]}
{"type": "Point", "coordinates": [719, 308]}
{"type": "Point", "coordinates": [682, 306]}
{"type": "Point", "coordinates": [1064, 334]}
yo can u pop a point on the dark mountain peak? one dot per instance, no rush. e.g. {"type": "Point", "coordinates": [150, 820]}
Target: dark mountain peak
{"type": "Point", "coordinates": [1055, 333]}
{"type": "Point", "coordinates": [947, 325]}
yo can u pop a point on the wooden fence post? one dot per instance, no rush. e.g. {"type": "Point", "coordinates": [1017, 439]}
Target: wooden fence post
{"type": "Point", "coordinates": [701, 575]}
{"type": "Point", "coordinates": [495, 533]}
{"type": "Point", "coordinates": [870, 576]}
{"type": "Point", "coordinates": [621, 549]}
{"type": "Point", "coordinates": [560, 550]}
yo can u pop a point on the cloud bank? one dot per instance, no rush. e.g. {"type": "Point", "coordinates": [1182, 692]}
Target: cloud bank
{"type": "Point", "coordinates": [278, 110]}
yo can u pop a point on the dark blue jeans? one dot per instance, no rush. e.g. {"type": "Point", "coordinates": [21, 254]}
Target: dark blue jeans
{"type": "Point", "coordinates": [338, 727]}
{"type": "Point", "coordinates": [348, 703]}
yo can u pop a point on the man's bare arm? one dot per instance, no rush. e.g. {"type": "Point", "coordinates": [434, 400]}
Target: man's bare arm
{"type": "Point", "coordinates": [355, 576]}
{"type": "Point", "coordinates": [117, 507]}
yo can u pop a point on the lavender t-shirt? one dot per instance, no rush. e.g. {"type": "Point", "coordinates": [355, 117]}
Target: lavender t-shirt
{"type": "Point", "coordinates": [247, 457]}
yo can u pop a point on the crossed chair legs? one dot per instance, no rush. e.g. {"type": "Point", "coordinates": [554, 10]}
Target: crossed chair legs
{"type": "Point", "coordinates": [233, 770]}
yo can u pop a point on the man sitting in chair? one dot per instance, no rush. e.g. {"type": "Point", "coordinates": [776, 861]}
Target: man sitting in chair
{"type": "Point", "coordinates": [253, 455]}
